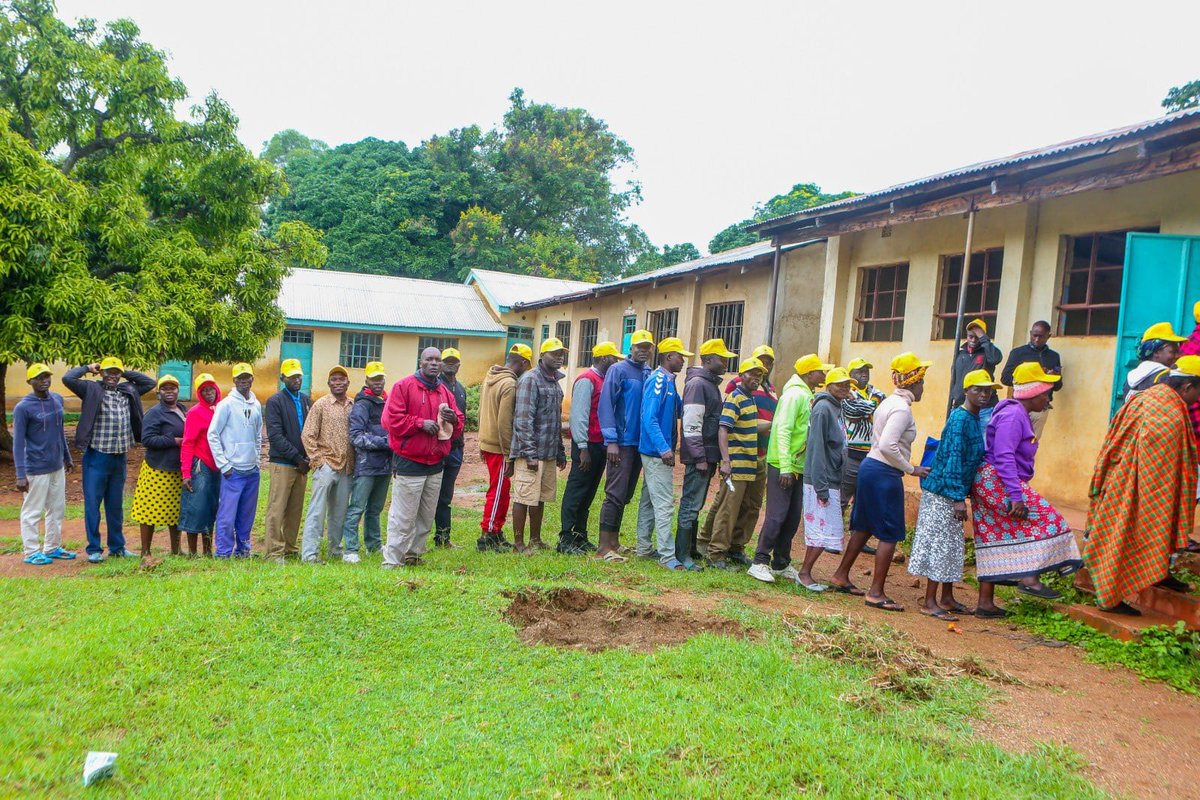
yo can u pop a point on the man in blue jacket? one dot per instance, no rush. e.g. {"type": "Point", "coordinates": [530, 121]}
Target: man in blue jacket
{"type": "Point", "coordinates": [42, 460]}
{"type": "Point", "coordinates": [620, 412]}
{"type": "Point", "coordinates": [661, 409]}
{"type": "Point", "coordinates": [372, 465]}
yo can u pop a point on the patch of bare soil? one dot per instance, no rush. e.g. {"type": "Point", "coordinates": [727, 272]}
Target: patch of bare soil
{"type": "Point", "coordinates": [573, 618]}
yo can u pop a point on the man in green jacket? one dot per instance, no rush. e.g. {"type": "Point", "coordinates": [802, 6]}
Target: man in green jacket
{"type": "Point", "coordinates": [785, 463]}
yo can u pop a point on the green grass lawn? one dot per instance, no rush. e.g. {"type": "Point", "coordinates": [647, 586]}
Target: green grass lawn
{"type": "Point", "coordinates": [249, 679]}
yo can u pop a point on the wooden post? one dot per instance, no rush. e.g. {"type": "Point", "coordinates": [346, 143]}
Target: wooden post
{"type": "Point", "coordinates": [774, 294]}
{"type": "Point", "coordinates": [962, 283]}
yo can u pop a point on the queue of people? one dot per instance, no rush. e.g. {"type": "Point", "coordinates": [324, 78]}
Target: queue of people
{"type": "Point", "coordinates": [828, 443]}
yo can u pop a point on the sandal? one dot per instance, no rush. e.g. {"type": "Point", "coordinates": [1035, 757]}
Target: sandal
{"type": "Point", "coordinates": [886, 604]}
{"type": "Point", "coordinates": [612, 557]}
{"type": "Point", "coordinates": [1192, 546]}
{"type": "Point", "coordinates": [1121, 608]}
{"type": "Point", "coordinates": [957, 608]}
{"type": "Point", "coordinates": [848, 588]}
{"type": "Point", "coordinates": [814, 587]}
{"type": "Point", "coordinates": [1040, 592]}
{"type": "Point", "coordinates": [991, 613]}
{"type": "Point", "coordinates": [675, 565]}
{"type": "Point", "coordinates": [941, 614]}
{"type": "Point", "coordinates": [38, 559]}
{"type": "Point", "coordinates": [60, 553]}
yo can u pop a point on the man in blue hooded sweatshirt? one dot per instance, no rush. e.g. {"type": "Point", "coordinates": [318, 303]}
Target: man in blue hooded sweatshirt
{"type": "Point", "coordinates": [661, 409]}
{"type": "Point", "coordinates": [620, 412]}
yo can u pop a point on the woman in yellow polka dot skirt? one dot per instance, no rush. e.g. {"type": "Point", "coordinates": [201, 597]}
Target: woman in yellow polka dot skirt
{"type": "Point", "coordinates": [156, 498]}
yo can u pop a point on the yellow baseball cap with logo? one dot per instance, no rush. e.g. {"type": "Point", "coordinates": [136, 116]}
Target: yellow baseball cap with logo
{"type": "Point", "coordinates": [979, 377]}
{"type": "Point", "coordinates": [552, 345]}
{"type": "Point", "coordinates": [242, 368]}
{"type": "Point", "coordinates": [750, 364]}
{"type": "Point", "coordinates": [606, 349]}
{"type": "Point", "coordinates": [375, 370]}
{"type": "Point", "coordinates": [838, 375]}
{"type": "Point", "coordinates": [811, 363]}
{"type": "Point", "coordinates": [165, 379]}
{"type": "Point", "coordinates": [716, 347]}
{"type": "Point", "coordinates": [290, 367]}
{"type": "Point", "coordinates": [907, 362]}
{"type": "Point", "coordinates": [35, 370]}
{"type": "Point", "coordinates": [202, 379]}
{"type": "Point", "coordinates": [1031, 372]}
{"type": "Point", "coordinates": [451, 352]}
{"type": "Point", "coordinates": [1187, 366]}
{"type": "Point", "coordinates": [522, 350]}
{"type": "Point", "coordinates": [763, 350]}
{"type": "Point", "coordinates": [111, 362]}
{"type": "Point", "coordinates": [641, 337]}
{"type": "Point", "coordinates": [859, 363]}
{"type": "Point", "coordinates": [1164, 331]}
{"type": "Point", "coordinates": [673, 344]}
{"type": "Point", "coordinates": [977, 323]}
{"type": "Point", "coordinates": [338, 369]}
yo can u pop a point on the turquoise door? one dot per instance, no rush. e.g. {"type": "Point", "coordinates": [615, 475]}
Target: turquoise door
{"type": "Point", "coordinates": [298, 344]}
{"type": "Point", "coordinates": [1161, 284]}
{"type": "Point", "coordinates": [181, 370]}
{"type": "Point", "coordinates": [628, 326]}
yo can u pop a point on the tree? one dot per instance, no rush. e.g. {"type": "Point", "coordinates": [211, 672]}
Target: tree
{"type": "Point", "coordinates": [1182, 97]}
{"type": "Point", "coordinates": [290, 144]}
{"type": "Point", "coordinates": [128, 231]}
{"type": "Point", "coordinates": [671, 254]}
{"type": "Point", "coordinates": [798, 198]}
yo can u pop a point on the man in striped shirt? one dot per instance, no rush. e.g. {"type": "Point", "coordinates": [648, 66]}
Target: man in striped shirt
{"type": "Point", "coordinates": [737, 438]}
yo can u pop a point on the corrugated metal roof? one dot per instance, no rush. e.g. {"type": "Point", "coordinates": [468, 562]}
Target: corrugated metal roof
{"type": "Point", "coordinates": [507, 289]}
{"type": "Point", "coordinates": [737, 255]}
{"type": "Point", "coordinates": [1027, 157]}
{"type": "Point", "coordinates": [351, 298]}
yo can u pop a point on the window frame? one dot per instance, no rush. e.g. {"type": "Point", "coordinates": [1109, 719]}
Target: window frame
{"type": "Point", "coordinates": [861, 320]}
{"type": "Point", "coordinates": [562, 332]}
{"type": "Point", "coordinates": [663, 323]}
{"type": "Point", "coordinates": [941, 318]}
{"type": "Point", "coordinates": [296, 336]}
{"type": "Point", "coordinates": [370, 343]}
{"type": "Point", "coordinates": [724, 329]}
{"type": "Point", "coordinates": [1087, 307]}
{"type": "Point", "coordinates": [589, 335]}
{"type": "Point", "coordinates": [440, 342]}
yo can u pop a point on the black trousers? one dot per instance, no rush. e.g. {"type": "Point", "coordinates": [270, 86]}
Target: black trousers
{"type": "Point", "coordinates": [619, 487]}
{"type": "Point", "coordinates": [441, 516]}
{"type": "Point", "coordinates": [582, 486]}
{"type": "Point", "coordinates": [785, 510]}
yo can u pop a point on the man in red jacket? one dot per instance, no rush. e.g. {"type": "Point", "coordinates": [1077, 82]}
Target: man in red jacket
{"type": "Point", "coordinates": [421, 419]}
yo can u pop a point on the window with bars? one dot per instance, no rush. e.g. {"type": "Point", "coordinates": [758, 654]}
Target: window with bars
{"type": "Point", "coordinates": [360, 348]}
{"type": "Point", "coordinates": [882, 291]}
{"type": "Point", "coordinates": [589, 330]}
{"type": "Point", "coordinates": [724, 321]}
{"type": "Point", "coordinates": [545, 331]}
{"type": "Point", "coordinates": [983, 291]}
{"type": "Point", "coordinates": [562, 332]}
{"type": "Point", "coordinates": [663, 323]}
{"type": "Point", "coordinates": [1091, 294]}
{"type": "Point", "coordinates": [296, 336]}
{"type": "Point", "coordinates": [440, 342]}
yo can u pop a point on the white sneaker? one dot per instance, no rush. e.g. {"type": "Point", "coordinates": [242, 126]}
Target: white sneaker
{"type": "Point", "coordinates": [761, 572]}
{"type": "Point", "coordinates": [788, 573]}
{"type": "Point", "coordinates": [350, 558]}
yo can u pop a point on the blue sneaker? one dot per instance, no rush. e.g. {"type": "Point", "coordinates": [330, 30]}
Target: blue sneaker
{"type": "Point", "coordinates": [95, 558]}
{"type": "Point", "coordinates": [60, 553]}
{"type": "Point", "coordinates": [38, 559]}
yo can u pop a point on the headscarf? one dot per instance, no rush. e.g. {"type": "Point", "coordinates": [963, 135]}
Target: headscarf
{"type": "Point", "coordinates": [905, 379]}
{"type": "Point", "coordinates": [1149, 347]}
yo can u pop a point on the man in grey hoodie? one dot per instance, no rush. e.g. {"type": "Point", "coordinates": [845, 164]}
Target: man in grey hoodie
{"type": "Point", "coordinates": [235, 436]}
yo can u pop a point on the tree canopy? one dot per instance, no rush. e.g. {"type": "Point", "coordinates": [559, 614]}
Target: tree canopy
{"type": "Point", "coordinates": [798, 198]}
{"type": "Point", "coordinates": [1182, 97]}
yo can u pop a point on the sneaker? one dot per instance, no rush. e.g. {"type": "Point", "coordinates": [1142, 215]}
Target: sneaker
{"type": "Point", "coordinates": [788, 573]}
{"type": "Point", "coordinates": [739, 558]}
{"type": "Point", "coordinates": [120, 554]}
{"type": "Point", "coordinates": [278, 560]}
{"type": "Point", "coordinates": [38, 559]}
{"type": "Point", "coordinates": [312, 561]}
{"type": "Point", "coordinates": [413, 561]}
{"type": "Point", "coordinates": [350, 558]}
{"type": "Point", "coordinates": [761, 572]}
{"type": "Point", "coordinates": [721, 563]}
{"type": "Point", "coordinates": [60, 553]}
{"type": "Point", "coordinates": [95, 558]}
{"type": "Point", "coordinates": [502, 544]}
{"type": "Point", "coordinates": [584, 544]}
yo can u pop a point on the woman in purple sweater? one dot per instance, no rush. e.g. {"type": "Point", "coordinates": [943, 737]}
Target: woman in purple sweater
{"type": "Point", "coordinates": [1018, 534]}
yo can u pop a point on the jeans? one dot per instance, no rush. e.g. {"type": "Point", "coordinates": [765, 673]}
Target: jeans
{"type": "Point", "coordinates": [104, 482]}
{"type": "Point", "coordinates": [581, 490]}
{"type": "Point", "coordinates": [327, 502]}
{"type": "Point", "coordinates": [235, 513]}
{"type": "Point", "coordinates": [45, 497]}
{"type": "Point", "coordinates": [441, 517]}
{"type": "Point", "coordinates": [695, 492]}
{"type": "Point", "coordinates": [785, 508]}
{"type": "Point", "coordinates": [368, 493]}
{"type": "Point", "coordinates": [414, 501]}
{"type": "Point", "coordinates": [658, 486]}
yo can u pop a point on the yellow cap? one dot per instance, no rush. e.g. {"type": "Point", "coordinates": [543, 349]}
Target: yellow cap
{"type": "Point", "coordinates": [111, 362]}
{"type": "Point", "coordinates": [859, 363]}
{"type": "Point", "coordinates": [1164, 331]}
{"type": "Point", "coordinates": [838, 375]}
{"type": "Point", "coordinates": [810, 363]}
{"type": "Point", "coordinates": [977, 323]}
{"type": "Point", "coordinates": [449, 352]}
{"type": "Point", "coordinates": [202, 379]}
{"type": "Point", "coordinates": [673, 344]}
{"type": "Point", "coordinates": [979, 377]}
{"type": "Point", "coordinates": [1031, 372]}
{"type": "Point", "coordinates": [716, 347]}
{"type": "Point", "coordinates": [36, 369]}
{"type": "Point", "coordinates": [375, 369]}
{"type": "Point", "coordinates": [907, 362]}
{"type": "Point", "coordinates": [749, 364]}
{"type": "Point", "coordinates": [551, 345]}
{"type": "Point", "coordinates": [606, 349]}
{"type": "Point", "coordinates": [641, 337]}
{"type": "Point", "coordinates": [522, 350]}
{"type": "Point", "coordinates": [1196, 311]}
{"type": "Point", "coordinates": [1187, 365]}
{"type": "Point", "coordinates": [242, 368]}
{"type": "Point", "coordinates": [168, 379]}
{"type": "Point", "coordinates": [763, 350]}
{"type": "Point", "coordinates": [290, 367]}
{"type": "Point", "coordinates": [337, 369]}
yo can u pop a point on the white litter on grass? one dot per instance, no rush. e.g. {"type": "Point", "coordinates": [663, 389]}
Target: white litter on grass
{"type": "Point", "coordinates": [98, 766]}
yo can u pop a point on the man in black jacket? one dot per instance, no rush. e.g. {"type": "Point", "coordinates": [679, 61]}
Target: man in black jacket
{"type": "Point", "coordinates": [702, 403]}
{"type": "Point", "coordinates": [977, 352]}
{"type": "Point", "coordinates": [372, 465]}
{"type": "Point", "coordinates": [110, 422]}
{"type": "Point", "coordinates": [1038, 350]}
{"type": "Point", "coordinates": [287, 465]}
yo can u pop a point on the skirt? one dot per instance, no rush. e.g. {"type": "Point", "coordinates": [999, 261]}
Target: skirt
{"type": "Point", "coordinates": [938, 549]}
{"type": "Point", "coordinates": [822, 523]}
{"type": "Point", "coordinates": [156, 497]}
{"type": "Point", "coordinates": [1008, 549]}
{"type": "Point", "coordinates": [198, 508]}
{"type": "Point", "coordinates": [879, 501]}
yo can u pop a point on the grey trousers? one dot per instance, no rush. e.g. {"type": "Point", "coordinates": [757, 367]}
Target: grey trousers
{"type": "Point", "coordinates": [658, 495]}
{"type": "Point", "coordinates": [414, 503]}
{"type": "Point", "coordinates": [327, 505]}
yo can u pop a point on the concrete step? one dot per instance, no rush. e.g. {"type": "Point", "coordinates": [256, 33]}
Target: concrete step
{"type": "Point", "coordinates": [1172, 606]}
{"type": "Point", "coordinates": [1118, 626]}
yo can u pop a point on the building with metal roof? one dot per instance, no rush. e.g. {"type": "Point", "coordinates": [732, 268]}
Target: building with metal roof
{"type": "Point", "coordinates": [505, 290]}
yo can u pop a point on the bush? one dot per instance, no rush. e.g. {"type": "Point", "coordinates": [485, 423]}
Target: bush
{"type": "Point", "coordinates": [473, 406]}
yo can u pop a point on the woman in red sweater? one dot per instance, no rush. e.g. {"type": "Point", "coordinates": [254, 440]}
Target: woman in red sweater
{"type": "Point", "coordinates": [201, 480]}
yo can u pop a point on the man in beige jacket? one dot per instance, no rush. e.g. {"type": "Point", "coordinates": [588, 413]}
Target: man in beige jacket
{"type": "Point", "coordinates": [497, 400]}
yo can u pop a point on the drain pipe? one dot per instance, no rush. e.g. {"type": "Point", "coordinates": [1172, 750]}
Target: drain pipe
{"type": "Point", "coordinates": [962, 283]}
{"type": "Point", "coordinates": [774, 295]}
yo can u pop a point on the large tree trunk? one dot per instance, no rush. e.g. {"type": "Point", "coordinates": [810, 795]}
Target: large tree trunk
{"type": "Point", "coordinates": [5, 435]}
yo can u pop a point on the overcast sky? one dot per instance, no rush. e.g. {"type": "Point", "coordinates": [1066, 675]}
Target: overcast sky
{"type": "Point", "coordinates": [725, 103]}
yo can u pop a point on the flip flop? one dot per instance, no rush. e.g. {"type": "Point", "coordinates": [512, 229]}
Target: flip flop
{"type": "Point", "coordinates": [675, 565]}
{"type": "Point", "coordinates": [958, 608]}
{"type": "Point", "coordinates": [612, 557]}
{"type": "Point", "coordinates": [848, 588]}
{"type": "Point", "coordinates": [1042, 592]}
{"type": "Point", "coordinates": [999, 613]}
{"type": "Point", "coordinates": [38, 559]}
{"type": "Point", "coordinates": [941, 614]}
{"type": "Point", "coordinates": [814, 587]}
{"type": "Point", "coordinates": [1192, 546]}
{"type": "Point", "coordinates": [886, 604]}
